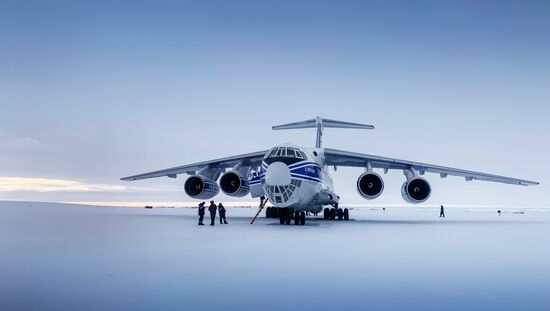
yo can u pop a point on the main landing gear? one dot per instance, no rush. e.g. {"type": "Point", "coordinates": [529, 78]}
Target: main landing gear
{"type": "Point", "coordinates": [335, 213]}
{"type": "Point", "coordinates": [287, 216]}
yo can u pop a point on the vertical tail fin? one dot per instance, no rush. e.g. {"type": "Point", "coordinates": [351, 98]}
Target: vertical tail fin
{"type": "Point", "coordinates": [321, 123]}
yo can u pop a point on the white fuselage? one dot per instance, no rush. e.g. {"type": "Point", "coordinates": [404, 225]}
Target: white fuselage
{"type": "Point", "coordinates": [294, 177]}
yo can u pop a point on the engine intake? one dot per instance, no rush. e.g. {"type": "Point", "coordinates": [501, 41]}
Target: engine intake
{"type": "Point", "coordinates": [370, 185]}
{"type": "Point", "coordinates": [198, 187]}
{"type": "Point", "coordinates": [234, 184]}
{"type": "Point", "coordinates": [416, 190]}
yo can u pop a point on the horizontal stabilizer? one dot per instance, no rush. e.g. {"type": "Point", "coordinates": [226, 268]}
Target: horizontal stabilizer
{"type": "Point", "coordinates": [320, 124]}
{"type": "Point", "coordinates": [313, 123]}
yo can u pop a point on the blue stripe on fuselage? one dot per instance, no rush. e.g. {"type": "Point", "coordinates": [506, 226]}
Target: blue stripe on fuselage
{"type": "Point", "coordinates": [312, 171]}
{"type": "Point", "coordinates": [305, 178]}
{"type": "Point", "coordinates": [302, 163]}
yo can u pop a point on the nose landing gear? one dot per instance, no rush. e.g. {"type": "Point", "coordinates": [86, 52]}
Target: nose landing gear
{"type": "Point", "coordinates": [272, 212]}
{"type": "Point", "coordinates": [286, 215]}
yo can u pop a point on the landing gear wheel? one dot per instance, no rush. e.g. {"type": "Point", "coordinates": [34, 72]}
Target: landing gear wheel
{"type": "Point", "coordinates": [288, 216]}
{"type": "Point", "coordinates": [346, 214]}
{"type": "Point", "coordinates": [302, 218]}
{"type": "Point", "coordinates": [296, 218]}
{"type": "Point", "coordinates": [275, 212]}
{"type": "Point", "coordinates": [332, 213]}
{"type": "Point", "coordinates": [268, 213]}
{"type": "Point", "coordinates": [340, 214]}
{"type": "Point", "coordinates": [281, 219]}
{"type": "Point", "coordinates": [326, 213]}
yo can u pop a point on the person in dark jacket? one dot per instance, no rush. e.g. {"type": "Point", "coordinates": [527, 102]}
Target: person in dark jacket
{"type": "Point", "coordinates": [442, 212]}
{"type": "Point", "coordinates": [212, 209]}
{"type": "Point", "coordinates": [201, 213]}
{"type": "Point", "coordinates": [221, 210]}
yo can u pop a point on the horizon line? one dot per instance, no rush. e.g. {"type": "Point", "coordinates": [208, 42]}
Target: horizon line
{"type": "Point", "coordinates": [253, 204]}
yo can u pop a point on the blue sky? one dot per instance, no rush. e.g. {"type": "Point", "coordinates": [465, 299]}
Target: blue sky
{"type": "Point", "coordinates": [91, 92]}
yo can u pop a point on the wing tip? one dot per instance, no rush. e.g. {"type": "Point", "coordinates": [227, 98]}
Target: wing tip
{"type": "Point", "coordinates": [528, 183]}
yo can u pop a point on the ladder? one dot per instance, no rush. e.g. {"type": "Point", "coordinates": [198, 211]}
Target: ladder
{"type": "Point", "coordinates": [263, 202]}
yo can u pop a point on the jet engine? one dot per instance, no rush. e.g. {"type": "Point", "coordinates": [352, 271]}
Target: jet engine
{"type": "Point", "coordinates": [370, 185]}
{"type": "Point", "coordinates": [416, 190]}
{"type": "Point", "coordinates": [234, 184]}
{"type": "Point", "coordinates": [199, 187]}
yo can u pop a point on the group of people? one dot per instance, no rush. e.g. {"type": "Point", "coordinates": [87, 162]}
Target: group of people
{"type": "Point", "coordinates": [212, 208]}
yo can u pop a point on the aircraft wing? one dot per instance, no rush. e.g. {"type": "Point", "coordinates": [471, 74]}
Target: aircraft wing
{"type": "Point", "coordinates": [251, 159]}
{"type": "Point", "coordinates": [345, 158]}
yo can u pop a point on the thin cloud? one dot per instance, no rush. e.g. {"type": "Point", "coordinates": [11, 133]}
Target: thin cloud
{"type": "Point", "coordinates": [15, 143]}
{"type": "Point", "coordinates": [11, 141]}
{"type": "Point", "coordinates": [10, 184]}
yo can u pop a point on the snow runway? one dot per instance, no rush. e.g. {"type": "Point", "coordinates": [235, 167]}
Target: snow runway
{"type": "Point", "coordinates": [56, 256]}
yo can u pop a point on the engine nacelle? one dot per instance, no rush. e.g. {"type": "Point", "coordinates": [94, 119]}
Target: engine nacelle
{"type": "Point", "coordinates": [370, 185]}
{"type": "Point", "coordinates": [416, 190]}
{"type": "Point", "coordinates": [199, 187]}
{"type": "Point", "coordinates": [234, 184]}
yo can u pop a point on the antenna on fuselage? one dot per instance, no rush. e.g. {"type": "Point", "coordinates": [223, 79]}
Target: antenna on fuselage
{"type": "Point", "coordinates": [320, 124]}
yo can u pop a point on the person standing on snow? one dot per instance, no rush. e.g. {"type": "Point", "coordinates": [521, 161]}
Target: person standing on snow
{"type": "Point", "coordinates": [221, 210]}
{"type": "Point", "coordinates": [201, 213]}
{"type": "Point", "coordinates": [212, 209]}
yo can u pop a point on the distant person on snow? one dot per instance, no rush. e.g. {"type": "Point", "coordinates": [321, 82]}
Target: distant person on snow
{"type": "Point", "coordinates": [221, 210]}
{"type": "Point", "coordinates": [201, 213]}
{"type": "Point", "coordinates": [212, 209]}
{"type": "Point", "coordinates": [442, 212]}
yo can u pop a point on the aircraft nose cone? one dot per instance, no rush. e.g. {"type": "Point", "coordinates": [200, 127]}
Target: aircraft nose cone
{"type": "Point", "coordinates": [277, 174]}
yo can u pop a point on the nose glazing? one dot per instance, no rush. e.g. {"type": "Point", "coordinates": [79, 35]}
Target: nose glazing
{"type": "Point", "coordinates": [277, 174]}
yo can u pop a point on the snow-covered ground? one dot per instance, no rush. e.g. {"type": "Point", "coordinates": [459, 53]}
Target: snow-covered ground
{"type": "Point", "coordinates": [55, 256]}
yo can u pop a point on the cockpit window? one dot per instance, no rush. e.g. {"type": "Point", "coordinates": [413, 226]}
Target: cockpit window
{"type": "Point", "coordinates": [272, 152]}
{"type": "Point", "coordinates": [287, 155]}
{"type": "Point", "coordinates": [290, 152]}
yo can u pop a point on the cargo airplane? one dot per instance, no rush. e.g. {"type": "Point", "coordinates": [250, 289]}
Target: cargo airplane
{"type": "Point", "coordinates": [296, 180]}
